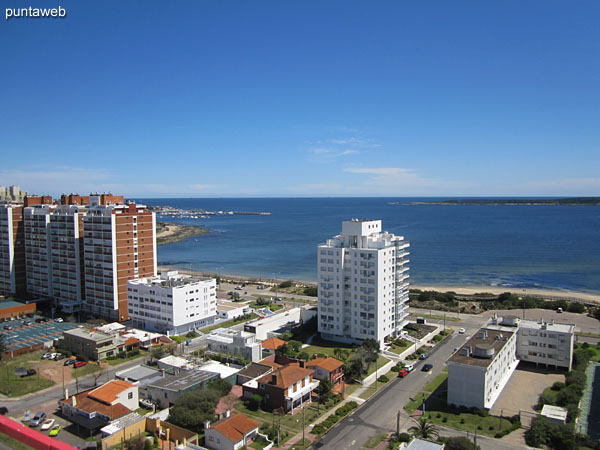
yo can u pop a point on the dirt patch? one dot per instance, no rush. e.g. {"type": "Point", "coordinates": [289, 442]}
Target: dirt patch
{"type": "Point", "coordinates": [53, 370]}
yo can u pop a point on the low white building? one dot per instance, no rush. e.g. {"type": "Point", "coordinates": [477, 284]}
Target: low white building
{"type": "Point", "coordinates": [236, 343]}
{"type": "Point", "coordinates": [479, 370]}
{"type": "Point", "coordinates": [555, 414]}
{"type": "Point", "coordinates": [231, 310]}
{"type": "Point", "coordinates": [172, 303]}
{"type": "Point", "coordinates": [231, 433]}
{"type": "Point", "coordinates": [265, 328]}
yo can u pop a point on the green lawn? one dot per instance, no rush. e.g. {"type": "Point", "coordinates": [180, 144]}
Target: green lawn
{"type": "Point", "coordinates": [320, 346]}
{"type": "Point", "coordinates": [227, 323]}
{"type": "Point", "coordinates": [272, 307]}
{"type": "Point", "coordinates": [400, 348]}
{"type": "Point", "coordinates": [115, 362]}
{"type": "Point", "coordinates": [374, 441]}
{"type": "Point", "coordinates": [90, 367]}
{"type": "Point", "coordinates": [381, 361]}
{"type": "Point", "coordinates": [13, 386]}
{"type": "Point", "coordinates": [488, 426]}
{"type": "Point", "coordinates": [436, 382]}
{"type": "Point", "coordinates": [259, 444]}
{"type": "Point", "coordinates": [437, 317]}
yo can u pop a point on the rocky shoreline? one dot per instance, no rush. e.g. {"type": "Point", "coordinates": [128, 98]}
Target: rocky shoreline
{"type": "Point", "coordinates": [169, 232]}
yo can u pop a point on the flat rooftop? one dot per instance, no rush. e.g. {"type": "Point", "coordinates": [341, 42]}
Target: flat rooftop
{"type": "Point", "coordinates": [486, 341]}
{"type": "Point", "coordinates": [183, 380]}
{"type": "Point", "coordinates": [10, 304]}
{"type": "Point", "coordinates": [84, 333]}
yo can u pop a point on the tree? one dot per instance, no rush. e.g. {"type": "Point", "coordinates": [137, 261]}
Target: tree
{"type": "Point", "coordinates": [371, 345]}
{"type": "Point", "coordinates": [192, 410]}
{"type": "Point", "coordinates": [576, 307]}
{"type": "Point", "coordinates": [158, 352]}
{"type": "Point", "coordinates": [424, 429]}
{"type": "Point", "coordinates": [341, 354]}
{"type": "Point", "coordinates": [460, 443]}
{"type": "Point", "coordinates": [286, 284]}
{"type": "Point", "coordinates": [2, 346]}
{"type": "Point", "coordinates": [221, 387]}
{"type": "Point", "coordinates": [254, 402]}
{"type": "Point", "coordinates": [229, 401]}
{"type": "Point", "coordinates": [324, 389]}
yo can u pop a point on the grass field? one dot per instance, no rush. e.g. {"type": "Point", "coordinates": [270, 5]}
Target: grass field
{"type": "Point", "coordinates": [488, 426]}
{"type": "Point", "coordinates": [86, 370]}
{"type": "Point", "coordinates": [227, 323]}
{"type": "Point", "coordinates": [115, 362]}
{"type": "Point", "coordinates": [437, 317]}
{"type": "Point", "coordinates": [13, 386]}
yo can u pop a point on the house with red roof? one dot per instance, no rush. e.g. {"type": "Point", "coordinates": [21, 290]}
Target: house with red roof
{"type": "Point", "coordinates": [98, 407]}
{"type": "Point", "coordinates": [270, 345]}
{"type": "Point", "coordinates": [231, 433]}
{"type": "Point", "coordinates": [327, 368]}
{"type": "Point", "coordinates": [287, 387]}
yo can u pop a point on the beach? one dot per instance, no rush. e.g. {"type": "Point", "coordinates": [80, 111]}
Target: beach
{"type": "Point", "coordinates": [169, 233]}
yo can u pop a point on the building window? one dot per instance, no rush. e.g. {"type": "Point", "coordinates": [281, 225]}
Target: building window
{"type": "Point", "coordinates": [130, 395]}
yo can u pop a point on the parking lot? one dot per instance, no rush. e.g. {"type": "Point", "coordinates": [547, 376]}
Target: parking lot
{"type": "Point", "coordinates": [21, 335]}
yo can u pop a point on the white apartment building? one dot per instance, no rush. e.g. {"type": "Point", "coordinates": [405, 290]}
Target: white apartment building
{"type": "Point", "coordinates": [172, 303]}
{"type": "Point", "coordinates": [363, 283]}
{"type": "Point", "coordinates": [12, 250]}
{"type": "Point", "coordinates": [119, 245]}
{"type": "Point", "coordinates": [236, 343]}
{"type": "Point", "coordinates": [479, 370]}
{"type": "Point", "coordinates": [37, 250]}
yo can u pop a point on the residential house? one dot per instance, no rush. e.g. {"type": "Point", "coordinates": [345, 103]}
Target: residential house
{"type": "Point", "coordinates": [288, 387]}
{"type": "Point", "coordinates": [231, 433]}
{"type": "Point", "coordinates": [270, 345]}
{"type": "Point", "coordinates": [169, 388]}
{"type": "Point", "coordinates": [327, 368]}
{"type": "Point", "coordinates": [91, 344]}
{"type": "Point", "coordinates": [98, 407]}
{"type": "Point", "coordinates": [237, 343]}
{"type": "Point", "coordinates": [231, 310]}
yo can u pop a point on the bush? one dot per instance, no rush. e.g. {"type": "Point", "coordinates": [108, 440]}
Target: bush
{"type": "Point", "coordinates": [383, 379]}
{"type": "Point", "coordinates": [576, 307]}
{"type": "Point", "coordinates": [286, 284]}
{"type": "Point", "coordinates": [557, 386]}
{"type": "Point", "coordinates": [254, 402]}
{"type": "Point", "coordinates": [403, 437]}
{"type": "Point", "coordinates": [311, 291]}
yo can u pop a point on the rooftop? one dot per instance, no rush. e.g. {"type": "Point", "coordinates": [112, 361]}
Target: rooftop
{"type": "Point", "coordinates": [183, 380]}
{"type": "Point", "coordinates": [420, 444]}
{"type": "Point", "coordinates": [273, 343]}
{"type": "Point", "coordinates": [483, 346]}
{"type": "Point", "coordinates": [255, 370]}
{"type": "Point", "coordinates": [84, 333]}
{"type": "Point", "coordinates": [286, 376]}
{"type": "Point", "coordinates": [9, 304]}
{"type": "Point", "coordinates": [88, 404]}
{"type": "Point", "coordinates": [235, 427]}
{"type": "Point", "coordinates": [108, 392]}
{"type": "Point", "coordinates": [137, 373]}
{"type": "Point", "coordinates": [554, 412]}
{"type": "Point", "coordinates": [329, 364]}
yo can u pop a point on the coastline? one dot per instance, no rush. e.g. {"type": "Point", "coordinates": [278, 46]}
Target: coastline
{"type": "Point", "coordinates": [551, 294]}
{"type": "Point", "coordinates": [171, 232]}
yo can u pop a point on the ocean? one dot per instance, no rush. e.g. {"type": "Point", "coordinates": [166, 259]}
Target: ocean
{"type": "Point", "coordinates": [515, 246]}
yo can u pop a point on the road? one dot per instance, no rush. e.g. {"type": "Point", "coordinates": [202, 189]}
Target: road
{"type": "Point", "coordinates": [37, 401]}
{"type": "Point", "coordinates": [378, 415]}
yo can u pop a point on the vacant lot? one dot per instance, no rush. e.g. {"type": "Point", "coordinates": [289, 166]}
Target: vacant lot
{"type": "Point", "coordinates": [523, 389]}
{"type": "Point", "coordinates": [13, 386]}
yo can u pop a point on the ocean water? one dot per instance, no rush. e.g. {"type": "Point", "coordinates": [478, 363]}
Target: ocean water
{"type": "Point", "coordinates": [523, 246]}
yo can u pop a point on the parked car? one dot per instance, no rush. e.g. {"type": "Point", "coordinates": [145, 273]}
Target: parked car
{"type": "Point", "coordinates": [40, 320]}
{"type": "Point", "coordinates": [79, 364]}
{"type": "Point", "coordinates": [27, 323]}
{"type": "Point", "coordinates": [238, 288]}
{"type": "Point", "coordinates": [59, 320]}
{"type": "Point", "coordinates": [55, 430]}
{"type": "Point", "coordinates": [402, 373]}
{"type": "Point", "coordinates": [59, 356]}
{"type": "Point", "coordinates": [46, 355]}
{"type": "Point", "coordinates": [423, 356]}
{"type": "Point", "coordinates": [409, 367]}
{"type": "Point", "coordinates": [68, 362]}
{"type": "Point", "coordinates": [54, 356]}
{"type": "Point", "coordinates": [427, 367]}
{"type": "Point", "coordinates": [3, 410]}
{"type": "Point", "coordinates": [261, 287]}
{"type": "Point", "coordinates": [47, 424]}
{"type": "Point", "coordinates": [31, 372]}
{"type": "Point", "coordinates": [8, 327]}
{"type": "Point", "coordinates": [37, 419]}
{"type": "Point", "coordinates": [462, 331]}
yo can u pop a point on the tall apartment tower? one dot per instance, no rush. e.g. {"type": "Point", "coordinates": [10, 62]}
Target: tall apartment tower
{"type": "Point", "coordinates": [37, 250]}
{"type": "Point", "coordinates": [66, 256]}
{"type": "Point", "coordinates": [12, 250]}
{"type": "Point", "coordinates": [363, 283]}
{"type": "Point", "coordinates": [119, 245]}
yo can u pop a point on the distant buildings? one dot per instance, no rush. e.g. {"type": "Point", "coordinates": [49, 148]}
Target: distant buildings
{"type": "Point", "coordinates": [480, 369]}
{"type": "Point", "coordinates": [236, 343]}
{"type": "Point", "coordinates": [79, 252]}
{"type": "Point", "coordinates": [363, 283]}
{"type": "Point", "coordinates": [12, 194]}
{"type": "Point", "coordinates": [172, 303]}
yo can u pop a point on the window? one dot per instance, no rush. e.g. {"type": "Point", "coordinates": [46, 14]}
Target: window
{"type": "Point", "coordinates": [130, 395]}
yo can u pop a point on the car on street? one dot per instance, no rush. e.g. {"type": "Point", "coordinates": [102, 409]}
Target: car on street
{"type": "Point", "coordinates": [55, 430]}
{"type": "Point", "coordinates": [37, 419]}
{"type": "Point", "coordinates": [402, 373]}
{"type": "Point", "coordinates": [261, 287]}
{"type": "Point", "coordinates": [79, 364]}
{"type": "Point", "coordinates": [68, 362]}
{"type": "Point", "coordinates": [238, 288]}
{"type": "Point", "coordinates": [427, 367]}
{"type": "Point", "coordinates": [409, 367]}
{"type": "Point", "coordinates": [47, 424]}
{"type": "Point", "coordinates": [462, 331]}
{"type": "Point", "coordinates": [423, 356]}
{"type": "Point", "coordinates": [59, 320]}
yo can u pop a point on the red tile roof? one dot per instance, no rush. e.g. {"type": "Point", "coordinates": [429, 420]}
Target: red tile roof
{"type": "Point", "coordinates": [273, 343]}
{"type": "Point", "coordinates": [286, 376]}
{"type": "Point", "coordinates": [108, 392]}
{"type": "Point", "coordinates": [328, 364]}
{"type": "Point", "coordinates": [235, 427]}
{"type": "Point", "coordinates": [89, 404]}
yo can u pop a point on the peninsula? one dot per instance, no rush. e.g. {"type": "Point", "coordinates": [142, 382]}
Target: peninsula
{"type": "Point", "coordinates": [586, 201]}
{"type": "Point", "coordinates": [169, 232]}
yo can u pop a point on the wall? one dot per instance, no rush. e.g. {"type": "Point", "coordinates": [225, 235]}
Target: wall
{"type": "Point", "coordinates": [15, 311]}
{"type": "Point", "coordinates": [125, 434]}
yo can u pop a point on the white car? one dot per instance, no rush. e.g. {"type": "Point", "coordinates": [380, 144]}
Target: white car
{"type": "Point", "coordinates": [47, 424]}
{"type": "Point", "coordinates": [409, 367]}
{"type": "Point", "coordinates": [462, 331]}
{"type": "Point", "coordinates": [59, 320]}
{"type": "Point", "coordinates": [46, 355]}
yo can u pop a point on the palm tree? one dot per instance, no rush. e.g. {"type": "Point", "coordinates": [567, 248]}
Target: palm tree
{"type": "Point", "coordinates": [424, 429]}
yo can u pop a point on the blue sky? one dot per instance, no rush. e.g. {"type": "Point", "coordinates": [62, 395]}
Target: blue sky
{"type": "Point", "coordinates": [303, 98]}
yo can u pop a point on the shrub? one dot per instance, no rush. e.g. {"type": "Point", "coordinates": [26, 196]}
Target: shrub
{"type": "Point", "coordinates": [286, 284]}
{"type": "Point", "coordinates": [254, 402]}
{"type": "Point", "coordinates": [557, 386]}
{"type": "Point", "coordinates": [576, 307]}
{"type": "Point", "coordinates": [383, 379]}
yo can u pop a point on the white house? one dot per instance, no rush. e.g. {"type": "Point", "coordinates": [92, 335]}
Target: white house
{"type": "Point", "coordinates": [268, 326]}
{"type": "Point", "coordinates": [172, 303]}
{"type": "Point", "coordinates": [231, 433]}
{"type": "Point", "coordinates": [363, 283]}
{"type": "Point", "coordinates": [235, 342]}
{"type": "Point", "coordinates": [231, 310]}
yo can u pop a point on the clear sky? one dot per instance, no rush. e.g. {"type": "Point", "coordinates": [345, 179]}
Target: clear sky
{"type": "Point", "coordinates": [223, 98]}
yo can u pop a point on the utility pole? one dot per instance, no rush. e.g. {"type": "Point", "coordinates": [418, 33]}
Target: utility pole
{"type": "Point", "coordinates": [423, 404]}
{"type": "Point", "coordinates": [444, 322]}
{"type": "Point", "coordinates": [303, 425]}
{"type": "Point", "coordinates": [397, 423]}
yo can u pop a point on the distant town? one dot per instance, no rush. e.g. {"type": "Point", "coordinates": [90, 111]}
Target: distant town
{"type": "Point", "coordinates": [102, 349]}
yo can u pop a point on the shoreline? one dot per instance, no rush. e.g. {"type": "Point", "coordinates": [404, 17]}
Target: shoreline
{"type": "Point", "coordinates": [464, 289]}
{"type": "Point", "coordinates": [171, 232]}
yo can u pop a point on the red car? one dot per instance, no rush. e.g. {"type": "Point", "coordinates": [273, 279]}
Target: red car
{"type": "Point", "coordinates": [79, 364]}
{"type": "Point", "coordinates": [402, 373]}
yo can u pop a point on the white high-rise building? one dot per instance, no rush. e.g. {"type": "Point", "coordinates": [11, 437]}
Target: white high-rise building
{"type": "Point", "coordinates": [363, 283]}
{"type": "Point", "coordinates": [172, 303]}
